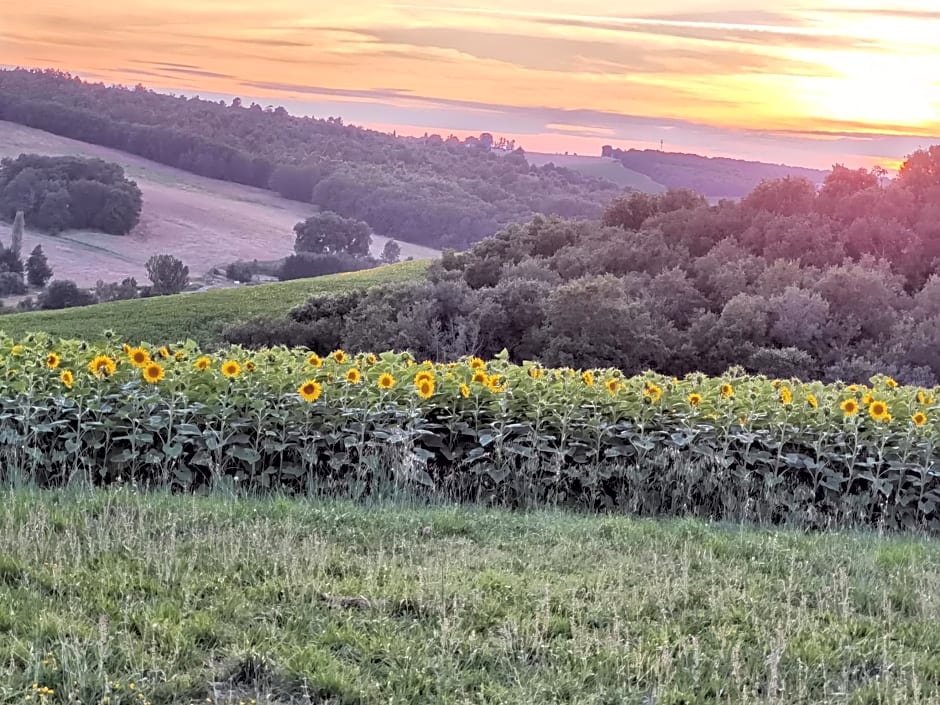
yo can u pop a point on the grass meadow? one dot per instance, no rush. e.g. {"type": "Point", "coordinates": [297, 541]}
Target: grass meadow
{"type": "Point", "coordinates": [117, 596]}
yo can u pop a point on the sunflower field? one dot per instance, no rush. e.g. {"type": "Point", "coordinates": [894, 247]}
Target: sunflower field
{"type": "Point", "coordinates": [738, 447]}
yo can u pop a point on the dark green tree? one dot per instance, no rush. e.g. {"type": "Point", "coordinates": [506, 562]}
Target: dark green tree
{"type": "Point", "coordinates": [329, 233]}
{"type": "Point", "coordinates": [38, 271]}
{"type": "Point", "coordinates": [391, 253]}
{"type": "Point", "coordinates": [168, 274]}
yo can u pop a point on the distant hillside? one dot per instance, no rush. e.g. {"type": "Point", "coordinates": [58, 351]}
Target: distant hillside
{"type": "Point", "coordinates": [714, 177]}
{"type": "Point", "coordinates": [599, 167]}
{"type": "Point", "coordinates": [429, 191]}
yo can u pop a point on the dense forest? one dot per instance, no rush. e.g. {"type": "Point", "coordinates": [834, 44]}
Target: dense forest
{"type": "Point", "coordinates": [432, 191]}
{"type": "Point", "coordinates": [716, 177]}
{"type": "Point", "coordinates": [842, 283]}
{"type": "Point", "coordinates": [61, 193]}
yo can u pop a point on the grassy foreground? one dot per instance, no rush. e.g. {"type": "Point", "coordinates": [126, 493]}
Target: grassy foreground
{"type": "Point", "coordinates": [115, 597]}
{"type": "Point", "coordinates": [199, 316]}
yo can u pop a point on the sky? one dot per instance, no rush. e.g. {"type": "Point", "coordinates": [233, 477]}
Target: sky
{"type": "Point", "coordinates": [809, 82]}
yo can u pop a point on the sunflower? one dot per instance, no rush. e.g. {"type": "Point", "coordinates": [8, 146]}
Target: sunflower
{"type": "Point", "coordinates": [891, 383]}
{"type": "Point", "coordinates": [868, 399]}
{"type": "Point", "coordinates": [126, 348]}
{"type": "Point", "coordinates": [428, 364]}
{"type": "Point", "coordinates": [310, 390]}
{"type": "Point", "coordinates": [812, 401]}
{"type": "Point", "coordinates": [476, 363]}
{"type": "Point", "coordinates": [464, 391]}
{"type": "Point", "coordinates": [653, 392]}
{"type": "Point", "coordinates": [921, 396]}
{"type": "Point", "coordinates": [695, 399]}
{"type": "Point", "coordinates": [314, 360]}
{"type": "Point", "coordinates": [354, 376]}
{"type": "Point", "coordinates": [493, 384]}
{"type": "Point", "coordinates": [588, 378]}
{"type": "Point", "coordinates": [919, 419]}
{"type": "Point", "coordinates": [727, 391]}
{"type": "Point", "coordinates": [479, 377]}
{"type": "Point", "coordinates": [102, 366]}
{"type": "Point", "coordinates": [53, 360]}
{"type": "Point", "coordinates": [179, 356]}
{"type": "Point", "coordinates": [203, 363]}
{"type": "Point", "coordinates": [849, 407]}
{"type": "Point", "coordinates": [139, 357]}
{"type": "Point", "coordinates": [613, 386]}
{"type": "Point", "coordinates": [425, 388]}
{"type": "Point", "coordinates": [786, 396]}
{"type": "Point", "coordinates": [536, 372]}
{"type": "Point", "coordinates": [878, 410]}
{"type": "Point", "coordinates": [230, 368]}
{"type": "Point", "coordinates": [386, 381]}
{"type": "Point", "coordinates": [340, 356]}
{"type": "Point", "coordinates": [153, 372]}
{"type": "Point", "coordinates": [67, 378]}
{"type": "Point", "coordinates": [371, 359]}
{"type": "Point", "coordinates": [164, 352]}
{"type": "Point", "coordinates": [423, 375]}
{"type": "Point", "coordinates": [17, 350]}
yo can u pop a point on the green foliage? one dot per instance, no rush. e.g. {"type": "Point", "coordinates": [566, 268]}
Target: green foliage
{"type": "Point", "coordinates": [391, 253]}
{"type": "Point", "coordinates": [198, 316]}
{"type": "Point", "coordinates": [64, 293]}
{"type": "Point", "coordinates": [57, 193]}
{"type": "Point", "coordinates": [231, 599]}
{"type": "Point", "coordinates": [168, 274]}
{"type": "Point", "coordinates": [11, 283]}
{"type": "Point", "coordinates": [327, 233]}
{"type": "Point", "coordinates": [38, 271]}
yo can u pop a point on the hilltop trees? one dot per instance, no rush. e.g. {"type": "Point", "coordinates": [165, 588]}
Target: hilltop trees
{"type": "Point", "coordinates": [57, 193]}
{"type": "Point", "coordinates": [327, 233]}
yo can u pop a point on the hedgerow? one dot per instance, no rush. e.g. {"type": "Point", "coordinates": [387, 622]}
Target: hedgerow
{"type": "Point", "coordinates": [733, 447]}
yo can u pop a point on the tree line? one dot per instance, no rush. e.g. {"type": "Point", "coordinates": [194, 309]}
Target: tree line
{"type": "Point", "coordinates": [435, 191]}
{"type": "Point", "coordinates": [842, 282]}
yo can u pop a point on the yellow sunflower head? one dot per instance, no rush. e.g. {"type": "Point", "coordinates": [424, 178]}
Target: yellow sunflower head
{"type": "Point", "coordinates": [126, 348]}
{"type": "Point", "coordinates": [67, 378]}
{"type": "Point", "coordinates": [812, 401]}
{"type": "Point", "coordinates": [849, 407]}
{"type": "Point", "coordinates": [179, 356]}
{"type": "Point", "coordinates": [250, 366]}
{"type": "Point", "coordinates": [153, 372]}
{"type": "Point", "coordinates": [310, 390]}
{"type": "Point", "coordinates": [694, 399]}
{"type": "Point", "coordinates": [479, 377]}
{"type": "Point", "coordinates": [386, 381]}
{"type": "Point", "coordinates": [102, 366]}
{"type": "Point", "coordinates": [164, 352]}
{"type": "Point", "coordinates": [425, 388]}
{"type": "Point", "coordinates": [786, 396]}
{"type": "Point", "coordinates": [613, 386]}
{"type": "Point", "coordinates": [868, 399]}
{"type": "Point", "coordinates": [588, 378]}
{"type": "Point", "coordinates": [230, 368]}
{"type": "Point", "coordinates": [878, 410]}
{"type": "Point", "coordinates": [891, 383]}
{"type": "Point", "coordinates": [354, 376]}
{"type": "Point", "coordinates": [653, 392]}
{"type": "Point", "coordinates": [423, 375]}
{"type": "Point", "coordinates": [496, 384]}
{"type": "Point", "coordinates": [53, 360]}
{"type": "Point", "coordinates": [17, 350]}
{"type": "Point", "coordinates": [919, 419]}
{"type": "Point", "coordinates": [371, 359]}
{"type": "Point", "coordinates": [921, 396]}
{"type": "Point", "coordinates": [203, 363]}
{"type": "Point", "coordinates": [138, 357]}
{"type": "Point", "coordinates": [314, 360]}
{"type": "Point", "coordinates": [340, 356]}
{"type": "Point", "coordinates": [727, 391]}
{"type": "Point", "coordinates": [536, 372]}
{"type": "Point", "coordinates": [464, 391]}
{"type": "Point", "coordinates": [476, 363]}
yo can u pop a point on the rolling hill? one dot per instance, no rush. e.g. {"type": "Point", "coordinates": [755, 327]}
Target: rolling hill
{"type": "Point", "coordinates": [599, 168]}
{"type": "Point", "coordinates": [198, 316]}
{"type": "Point", "coordinates": [205, 222]}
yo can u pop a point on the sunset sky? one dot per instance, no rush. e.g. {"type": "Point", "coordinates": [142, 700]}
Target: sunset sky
{"type": "Point", "coordinates": [808, 82]}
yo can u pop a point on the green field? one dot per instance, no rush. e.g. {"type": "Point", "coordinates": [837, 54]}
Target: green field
{"type": "Point", "coordinates": [599, 167]}
{"type": "Point", "coordinates": [199, 316]}
{"type": "Point", "coordinates": [118, 597]}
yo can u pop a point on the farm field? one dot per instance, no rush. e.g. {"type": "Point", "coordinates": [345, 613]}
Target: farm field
{"type": "Point", "coordinates": [123, 597]}
{"type": "Point", "coordinates": [204, 222]}
{"type": "Point", "coordinates": [600, 167]}
{"type": "Point", "coordinates": [198, 316]}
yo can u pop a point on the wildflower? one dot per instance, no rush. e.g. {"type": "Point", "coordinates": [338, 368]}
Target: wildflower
{"type": "Point", "coordinates": [386, 381]}
{"type": "Point", "coordinates": [138, 357]}
{"type": "Point", "coordinates": [314, 361]}
{"type": "Point", "coordinates": [493, 384]}
{"type": "Point", "coordinates": [371, 359]}
{"type": "Point", "coordinates": [476, 363]}
{"type": "Point", "coordinates": [423, 375]}
{"type": "Point", "coordinates": [588, 378]}
{"type": "Point", "coordinates": [164, 352]}
{"type": "Point", "coordinates": [203, 363]}
{"type": "Point", "coordinates": [52, 360]}
{"type": "Point", "coordinates": [727, 391]}
{"type": "Point", "coordinates": [613, 386]}
{"type": "Point", "coordinates": [653, 392]}
{"type": "Point", "coordinates": [479, 377]}
{"type": "Point", "coordinates": [849, 407]}
{"type": "Point", "coordinates": [425, 388]}
{"type": "Point", "coordinates": [812, 401]}
{"type": "Point", "coordinates": [786, 396]}
{"type": "Point", "coordinates": [250, 366]}
{"type": "Point", "coordinates": [340, 356]}
{"type": "Point", "coordinates": [878, 410]}
{"type": "Point", "coordinates": [126, 348]}
{"type": "Point", "coordinates": [230, 368]}
{"type": "Point", "coordinates": [179, 356]}
{"type": "Point", "coordinates": [102, 366]}
{"type": "Point", "coordinates": [67, 378]}
{"type": "Point", "coordinates": [153, 373]}
{"type": "Point", "coordinates": [310, 390]}
{"type": "Point", "coordinates": [919, 419]}
{"type": "Point", "coordinates": [868, 399]}
{"type": "Point", "coordinates": [464, 391]}
{"type": "Point", "coordinates": [891, 383]}
{"type": "Point", "coordinates": [354, 376]}
{"type": "Point", "coordinates": [695, 399]}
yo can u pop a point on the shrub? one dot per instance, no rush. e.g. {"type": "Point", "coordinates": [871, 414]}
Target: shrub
{"type": "Point", "coordinates": [168, 274]}
{"type": "Point", "coordinates": [303, 265]}
{"type": "Point", "coordinates": [11, 283]}
{"type": "Point", "coordinates": [64, 293]}
{"type": "Point", "coordinates": [239, 272]}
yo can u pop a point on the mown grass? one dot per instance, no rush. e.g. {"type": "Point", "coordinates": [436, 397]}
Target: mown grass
{"type": "Point", "coordinates": [118, 597]}
{"type": "Point", "coordinates": [199, 316]}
